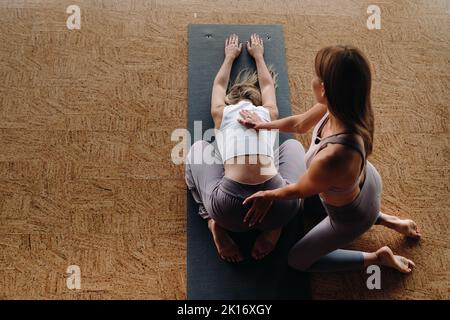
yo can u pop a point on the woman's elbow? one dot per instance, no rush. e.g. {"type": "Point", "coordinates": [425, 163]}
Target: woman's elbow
{"type": "Point", "coordinates": [297, 261]}
{"type": "Point", "coordinates": [274, 114]}
{"type": "Point", "coordinates": [300, 128]}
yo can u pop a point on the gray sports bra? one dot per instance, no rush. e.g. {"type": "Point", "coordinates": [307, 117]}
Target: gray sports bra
{"type": "Point", "coordinates": [346, 138]}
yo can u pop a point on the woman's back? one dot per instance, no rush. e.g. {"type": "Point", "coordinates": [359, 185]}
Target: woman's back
{"type": "Point", "coordinates": [247, 154]}
{"type": "Point", "coordinates": [346, 150]}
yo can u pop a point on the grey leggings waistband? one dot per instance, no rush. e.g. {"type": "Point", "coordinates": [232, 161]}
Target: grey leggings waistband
{"type": "Point", "coordinates": [243, 190]}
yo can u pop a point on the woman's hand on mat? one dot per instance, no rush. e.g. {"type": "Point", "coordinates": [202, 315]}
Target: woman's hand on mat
{"type": "Point", "coordinates": [250, 119]}
{"type": "Point", "coordinates": [261, 203]}
{"type": "Point", "coordinates": [232, 46]}
{"type": "Point", "coordinates": [255, 46]}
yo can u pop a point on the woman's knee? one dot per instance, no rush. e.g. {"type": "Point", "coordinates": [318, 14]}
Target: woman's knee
{"type": "Point", "coordinates": [294, 144]}
{"type": "Point", "coordinates": [298, 259]}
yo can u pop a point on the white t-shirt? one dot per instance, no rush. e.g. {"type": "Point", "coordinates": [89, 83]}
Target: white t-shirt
{"type": "Point", "coordinates": [234, 139]}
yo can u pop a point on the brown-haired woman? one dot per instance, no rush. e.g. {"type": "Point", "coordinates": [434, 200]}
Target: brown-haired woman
{"type": "Point", "coordinates": [348, 185]}
{"type": "Point", "coordinates": [243, 161]}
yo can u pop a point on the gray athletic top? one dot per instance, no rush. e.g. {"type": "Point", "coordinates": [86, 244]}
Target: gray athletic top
{"type": "Point", "coordinates": [347, 139]}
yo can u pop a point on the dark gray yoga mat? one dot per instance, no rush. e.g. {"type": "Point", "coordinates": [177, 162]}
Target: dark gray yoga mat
{"type": "Point", "coordinates": [208, 276]}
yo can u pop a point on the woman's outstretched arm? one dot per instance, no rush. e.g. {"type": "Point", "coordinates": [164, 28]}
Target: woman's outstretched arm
{"type": "Point", "coordinates": [219, 90]}
{"type": "Point", "coordinates": [298, 124]}
{"type": "Point", "coordinates": [255, 48]}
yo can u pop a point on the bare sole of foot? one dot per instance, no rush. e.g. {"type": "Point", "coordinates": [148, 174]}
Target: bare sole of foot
{"type": "Point", "coordinates": [387, 258]}
{"type": "Point", "coordinates": [265, 243]}
{"type": "Point", "coordinates": [408, 228]}
{"type": "Point", "coordinates": [226, 247]}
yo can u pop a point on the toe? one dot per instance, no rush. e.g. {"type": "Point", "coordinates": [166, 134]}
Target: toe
{"type": "Point", "coordinates": [404, 265]}
{"type": "Point", "coordinates": [240, 256]}
{"type": "Point", "coordinates": [258, 255]}
{"type": "Point", "coordinates": [261, 255]}
{"type": "Point", "coordinates": [414, 229]}
{"type": "Point", "coordinates": [255, 252]}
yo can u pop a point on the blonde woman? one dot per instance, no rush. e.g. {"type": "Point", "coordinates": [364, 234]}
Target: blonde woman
{"type": "Point", "coordinates": [243, 161]}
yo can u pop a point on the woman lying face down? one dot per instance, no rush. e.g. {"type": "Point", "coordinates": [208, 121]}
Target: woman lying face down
{"type": "Point", "coordinates": [243, 161]}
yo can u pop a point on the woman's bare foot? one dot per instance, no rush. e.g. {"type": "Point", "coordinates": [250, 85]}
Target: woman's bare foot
{"type": "Point", "coordinates": [386, 257]}
{"type": "Point", "coordinates": [265, 243]}
{"type": "Point", "coordinates": [406, 227]}
{"type": "Point", "coordinates": [226, 247]}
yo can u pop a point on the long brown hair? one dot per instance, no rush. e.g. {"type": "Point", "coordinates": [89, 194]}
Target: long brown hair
{"type": "Point", "coordinates": [246, 86]}
{"type": "Point", "coordinates": [345, 73]}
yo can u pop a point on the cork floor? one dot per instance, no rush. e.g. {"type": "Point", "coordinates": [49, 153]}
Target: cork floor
{"type": "Point", "coordinates": [86, 117]}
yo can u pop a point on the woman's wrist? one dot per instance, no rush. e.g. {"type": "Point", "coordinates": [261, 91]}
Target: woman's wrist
{"type": "Point", "coordinates": [270, 194]}
{"type": "Point", "coordinates": [229, 58]}
{"type": "Point", "coordinates": [264, 124]}
{"type": "Point", "coordinates": [260, 125]}
{"type": "Point", "coordinates": [259, 57]}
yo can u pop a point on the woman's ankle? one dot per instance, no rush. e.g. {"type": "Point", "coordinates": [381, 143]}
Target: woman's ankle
{"type": "Point", "coordinates": [371, 258]}
{"type": "Point", "coordinates": [389, 221]}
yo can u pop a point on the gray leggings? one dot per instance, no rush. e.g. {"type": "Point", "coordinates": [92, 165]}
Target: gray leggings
{"type": "Point", "coordinates": [221, 198]}
{"type": "Point", "coordinates": [318, 250]}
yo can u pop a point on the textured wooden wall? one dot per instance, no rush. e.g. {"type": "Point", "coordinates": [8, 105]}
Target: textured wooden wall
{"type": "Point", "coordinates": [85, 123]}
